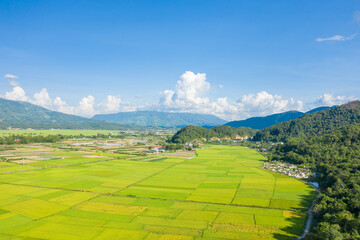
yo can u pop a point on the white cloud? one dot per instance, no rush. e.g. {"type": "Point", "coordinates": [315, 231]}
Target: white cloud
{"type": "Point", "coordinates": [221, 86]}
{"type": "Point", "coordinates": [86, 107]}
{"type": "Point", "coordinates": [328, 99]}
{"type": "Point", "coordinates": [189, 95]}
{"type": "Point", "coordinates": [112, 104]}
{"type": "Point", "coordinates": [10, 76]}
{"type": "Point", "coordinates": [336, 38]}
{"type": "Point", "coordinates": [188, 92]}
{"type": "Point", "coordinates": [42, 98]}
{"type": "Point", "coordinates": [167, 98]}
{"type": "Point", "coordinates": [17, 93]}
{"type": "Point", "coordinates": [62, 106]}
{"type": "Point", "coordinates": [264, 103]}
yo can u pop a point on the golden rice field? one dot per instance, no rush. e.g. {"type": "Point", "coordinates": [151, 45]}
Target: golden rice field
{"type": "Point", "coordinates": [223, 193]}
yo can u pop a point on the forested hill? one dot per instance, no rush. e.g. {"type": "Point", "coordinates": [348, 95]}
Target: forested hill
{"type": "Point", "coordinates": [335, 157]}
{"type": "Point", "coordinates": [191, 133]}
{"type": "Point", "coordinates": [161, 119]}
{"type": "Point", "coordinates": [267, 121]}
{"type": "Point", "coordinates": [264, 122]}
{"type": "Point", "coordinates": [19, 114]}
{"type": "Point", "coordinates": [312, 124]}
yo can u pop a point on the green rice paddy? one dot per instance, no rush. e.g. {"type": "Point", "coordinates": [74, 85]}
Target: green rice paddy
{"type": "Point", "coordinates": [54, 132]}
{"type": "Point", "coordinates": [223, 193]}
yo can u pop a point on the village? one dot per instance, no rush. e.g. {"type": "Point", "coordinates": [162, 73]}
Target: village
{"type": "Point", "coordinates": [288, 169]}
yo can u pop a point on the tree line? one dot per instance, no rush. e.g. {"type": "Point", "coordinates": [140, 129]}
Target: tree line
{"type": "Point", "coordinates": [191, 133]}
{"type": "Point", "coordinates": [335, 157]}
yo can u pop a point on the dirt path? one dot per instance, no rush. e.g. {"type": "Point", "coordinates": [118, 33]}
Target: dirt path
{"type": "Point", "coordinates": [310, 215]}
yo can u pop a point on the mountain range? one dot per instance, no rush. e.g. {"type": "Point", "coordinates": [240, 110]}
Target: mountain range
{"type": "Point", "coordinates": [267, 121]}
{"type": "Point", "coordinates": [161, 119]}
{"type": "Point", "coordinates": [17, 114]}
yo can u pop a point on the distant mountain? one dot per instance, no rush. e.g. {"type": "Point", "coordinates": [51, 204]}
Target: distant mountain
{"type": "Point", "coordinates": [19, 114]}
{"type": "Point", "coordinates": [317, 109]}
{"type": "Point", "coordinates": [312, 124]}
{"type": "Point", "coordinates": [191, 133]}
{"type": "Point", "coordinates": [160, 119]}
{"type": "Point", "coordinates": [264, 122]}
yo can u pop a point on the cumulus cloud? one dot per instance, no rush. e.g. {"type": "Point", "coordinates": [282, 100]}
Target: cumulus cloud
{"type": "Point", "coordinates": [17, 94]}
{"type": "Point", "coordinates": [190, 94]}
{"type": "Point", "coordinates": [336, 38]}
{"type": "Point", "coordinates": [264, 103]}
{"type": "Point", "coordinates": [86, 107]}
{"type": "Point", "coordinates": [112, 104]}
{"type": "Point", "coordinates": [328, 99]}
{"type": "Point", "coordinates": [42, 98]}
{"type": "Point", "coordinates": [167, 98]}
{"type": "Point", "coordinates": [62, 106]}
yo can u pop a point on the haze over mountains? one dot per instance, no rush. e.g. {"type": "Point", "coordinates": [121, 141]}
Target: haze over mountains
{"type": "Point", "coordinates": [18, 114]}
{"type": "Point", "coordinates": [161, 119]}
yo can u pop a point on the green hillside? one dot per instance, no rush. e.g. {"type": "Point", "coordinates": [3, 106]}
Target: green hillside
{"type": "Point", "coordinates": [191, 133]}
{"type": "Point", "coordinates": [335, 157]}
{"type": "Point", "coordinates": [312, 124]}
{"type": "Point", "coordinates": [26, 115]}
{"type": "Point", "coordinates": [161, 119]}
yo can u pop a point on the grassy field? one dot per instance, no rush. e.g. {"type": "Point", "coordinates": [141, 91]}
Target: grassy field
{"type": "Point", "coordinates": [220, 194]}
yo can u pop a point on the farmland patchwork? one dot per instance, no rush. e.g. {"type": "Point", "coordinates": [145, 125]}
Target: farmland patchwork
{"type": "Point", "coordinates": [223, 193]}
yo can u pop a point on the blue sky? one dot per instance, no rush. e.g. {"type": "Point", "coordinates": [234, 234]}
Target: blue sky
{"type": "Point", "coordinates": [259, 57]}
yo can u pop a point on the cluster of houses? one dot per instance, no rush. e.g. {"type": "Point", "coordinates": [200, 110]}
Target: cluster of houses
{"type": "Point", "coordinates": [17, 140]}
{"type": "Point", "coordinates": [288, 169]}
{"type": "Point", "coordinates": [228, 139]}
{"type": "Point", "coordinates": [157, 150]}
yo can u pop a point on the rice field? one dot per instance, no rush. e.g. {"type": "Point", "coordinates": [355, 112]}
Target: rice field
{"type": "Point", "coordinates": [53, 132]}
{"type": "Point", "coordinates": [223, 193]}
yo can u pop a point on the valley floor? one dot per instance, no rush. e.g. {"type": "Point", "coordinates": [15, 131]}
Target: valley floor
{"type": "Point", "coordinates": [223, 193]}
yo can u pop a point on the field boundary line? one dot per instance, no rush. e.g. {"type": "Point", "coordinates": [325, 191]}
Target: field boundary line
{"type": "Point", "coordinates": [66, 165]}
{"type": "Point", "coordinates": [273, 193]}
{"type": "Point", "coordinates": [153, 198]}
{"type": "Point", "coordinates": [152, 175]}
{"type": "Point", "coordinates": [237, 189]}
